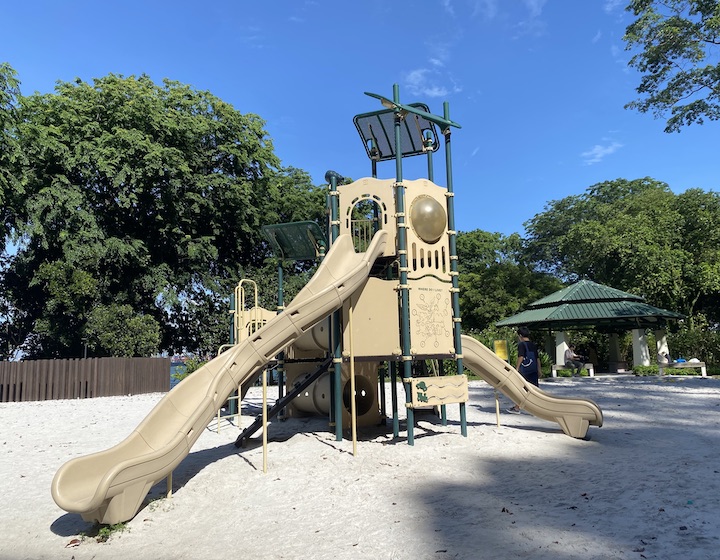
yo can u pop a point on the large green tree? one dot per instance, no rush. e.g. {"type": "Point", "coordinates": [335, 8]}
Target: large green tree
{"type": "Point", "coordinates": [141, 195]}
{"type": "Point", "coordinates": [10, 191]}
{"type": "Point", "coordinates": [636, 236]}
{"type": "Point", "coordinates": [10, 186]}
{"type": "Point", "coordinates": [677, 51]}
{"type": "Point", "coordinates": [496, 281]}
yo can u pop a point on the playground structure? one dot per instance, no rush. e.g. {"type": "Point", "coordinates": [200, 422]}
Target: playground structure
{"type": "Point", "coordinates": [386, 292]}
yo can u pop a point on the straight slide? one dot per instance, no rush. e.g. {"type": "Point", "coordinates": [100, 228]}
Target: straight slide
{"type": "Point", "coordinates": [110, 486]}
{"type": "Point", "coordinates": [575, 416]}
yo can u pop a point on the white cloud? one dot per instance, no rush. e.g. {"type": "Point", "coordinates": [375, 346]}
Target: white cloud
{"type": "Point", "coordinates": [428, 82]}
{"type": "Point", "coordinates": [252, 37]}
{"type": "Point", "coordinates": [448, 7]}
{"type": "Point", "coordinates": [611, 5]}
{"type": "Point", "coordinates": [620, 57]}
{"type": "Point", "coordinates": [439, 53]}
{"type": "Point", "coordinates": [598, 152]}
{"type": "Point", "coordinates": [597, 37]}
{"type": "Point", "coordinates": [535, 7]}
{"type": "Point", "coordinates": [420, 82]}
{"type": "Point", "coordinates": [533, 25]}
{"type": "Point", "coordinates": [488, 9]}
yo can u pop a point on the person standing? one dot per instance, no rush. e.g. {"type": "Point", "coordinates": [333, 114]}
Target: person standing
{"type": "Point", "coordinates": [528, 362]}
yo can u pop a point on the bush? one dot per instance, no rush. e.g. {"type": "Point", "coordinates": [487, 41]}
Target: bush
{"type": "Point", "coordinates": [701, 344]}
{"type": "Point", "coordinates": [565, 372]}
{"type": "Point", "coordinates": [646, 370]}
{"type": "Point", "coordinates": [191, 365]}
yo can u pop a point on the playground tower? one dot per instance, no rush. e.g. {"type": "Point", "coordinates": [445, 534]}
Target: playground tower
{"type": "Point", "coordinates": [408, 312]}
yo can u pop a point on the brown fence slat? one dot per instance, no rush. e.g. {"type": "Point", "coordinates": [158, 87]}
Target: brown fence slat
{"type": "Point", "coordinates": [36, 380]}
{"type": "Point", "coordinates": [4, 381]}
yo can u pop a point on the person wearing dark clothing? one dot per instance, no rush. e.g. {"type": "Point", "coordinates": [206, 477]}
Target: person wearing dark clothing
{"type": "Point", "coordinates": [528, 362]}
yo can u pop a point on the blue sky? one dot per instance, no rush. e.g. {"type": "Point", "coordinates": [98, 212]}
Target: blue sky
{"type": "Point", "coordinates": [537, 85]}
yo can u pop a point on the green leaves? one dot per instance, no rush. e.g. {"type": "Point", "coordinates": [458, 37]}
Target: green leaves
{"type": "Point", "coordinates": [636, 236]}
{"type": "Point", "coordinates": [496, 280]}
{"type": "Point", "coordinates": [678, 58]}
{"type": "Point", "coordinates": [116, 330]}
{"type": "Point", "coordinates": [141, 195]}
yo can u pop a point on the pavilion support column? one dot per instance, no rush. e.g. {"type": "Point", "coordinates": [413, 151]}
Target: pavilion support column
{"type": "Point", "coordinates": [641, 352]}
{"type": "Point", "coordinates": [615, 364]}
{"type": "Point", "coordinates": [549, 344]}
{"type": "Point", "coordinates": [661, 345]}
{"type": "Point", "coordinates": [561, 344]}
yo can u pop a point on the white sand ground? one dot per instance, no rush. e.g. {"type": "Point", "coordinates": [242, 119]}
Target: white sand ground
{"type": "Point", "coordinates": [647, 484]}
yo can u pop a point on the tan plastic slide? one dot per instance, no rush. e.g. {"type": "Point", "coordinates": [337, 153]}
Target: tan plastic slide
{"type": "Point", "coordinates": [574, 415]}
{"type": "Point", "coordinates": [109, 486]}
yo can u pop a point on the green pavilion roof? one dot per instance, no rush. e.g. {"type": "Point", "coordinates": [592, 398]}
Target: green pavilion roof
{"type": "Point", "coordinates": [590, 305]}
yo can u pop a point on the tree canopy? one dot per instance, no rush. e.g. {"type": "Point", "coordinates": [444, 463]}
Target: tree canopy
{"type": "Point", "coordinates": [678, 43]}
{"type": "Point", "coordinates": [496, 280]}
{"type": "Point", "coordinates": [142, 197]}
{"type": "Point", "coordinates": [10, 187]}
{"type": "Point", "coordinates": [636, 236]}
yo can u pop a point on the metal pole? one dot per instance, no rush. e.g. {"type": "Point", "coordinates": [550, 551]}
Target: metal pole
{"type": "Point", "coordinates": [394, 395]}
{"type": "Point", "coordinates": [427, 145]}
{"type": "Point", "coordinates": [403, 258]}
{"type": "Point", "coordinates": [353, 404]}
{"type": "Point", "coordinates": [336, 404]}
{"type": "Point", "coordinates": [264, 419]}
{"type": "Point", "coordinates": [443, 408]}
{"type": "Point", "coordinates": [457, 322]}
{"type": "Point", "coordinates": [281, 355]}
{"type": "Point", "coordinates": [381, 388]}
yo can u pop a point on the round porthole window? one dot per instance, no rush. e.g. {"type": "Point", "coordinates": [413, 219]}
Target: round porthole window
{"type": "Point", "coordinates": [428, 218]}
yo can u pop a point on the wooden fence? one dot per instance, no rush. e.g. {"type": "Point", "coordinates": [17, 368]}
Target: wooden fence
{"type": "Point", "coordinates": [40, 380]}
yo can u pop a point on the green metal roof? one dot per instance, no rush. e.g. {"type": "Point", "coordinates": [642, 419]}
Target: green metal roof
{"type": "Point", "coordinates": [295, 240]}
{"type": "Point", "coordinates": [585, 291]}
{"type": "Point", "coordinates": [590, 305]}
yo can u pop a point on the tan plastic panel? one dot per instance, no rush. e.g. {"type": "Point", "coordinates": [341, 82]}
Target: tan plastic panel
{"type": "Point", "coordinates": [376, 324]}
{"type": "Point", "coordinates": [431, 328]}
{"type": "Point", "coordinates": [426, 258]}
{"type": "Point", "coordinates": [381, 192]}
{"type": "Point", "coordinates": [438, 390]}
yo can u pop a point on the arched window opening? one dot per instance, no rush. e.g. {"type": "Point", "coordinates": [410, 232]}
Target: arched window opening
{"type": "Point", "coordinates": [365, 221]}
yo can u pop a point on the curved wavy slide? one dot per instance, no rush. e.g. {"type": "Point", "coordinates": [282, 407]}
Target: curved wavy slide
{"type": "Point", "coordinates": [575, 416]}
{"type": "Point", "coordinates": [110, 486]}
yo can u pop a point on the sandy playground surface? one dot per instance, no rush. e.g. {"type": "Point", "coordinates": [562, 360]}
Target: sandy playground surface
{"type": "Point", "coordinates": [646, 485]}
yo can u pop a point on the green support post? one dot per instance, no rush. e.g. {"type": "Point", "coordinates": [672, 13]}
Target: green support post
{"type": "Point", "coordinates": [381, 383]}
{"type": "Point", "coordinates": [427, 145]}
{"type": "Point", "coordinates": [403, 258]}
{"type": "Point", "coordinates": [336, 402]}
{"type": "Point", "coordinates": [443, 407]}
{"type": "Point", "coordinates": [457, 322]}
{"type": "Point", "coordinates": [394, 395]}
{"type": "Point", "coordinates": [281, 355]}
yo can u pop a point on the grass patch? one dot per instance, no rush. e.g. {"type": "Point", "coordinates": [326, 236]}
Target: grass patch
{"type": "Point", "coordinates": [101, 533]}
